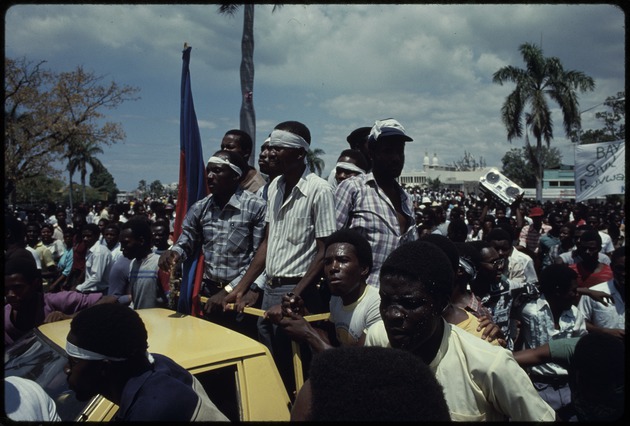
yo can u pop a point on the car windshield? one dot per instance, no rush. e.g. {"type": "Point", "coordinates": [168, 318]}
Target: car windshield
{"type": "Point", "coordinates": [36, 358]}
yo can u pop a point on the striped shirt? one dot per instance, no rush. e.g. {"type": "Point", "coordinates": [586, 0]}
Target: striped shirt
{"type": "Point", "coordinates": [146, 290]}
{"type": "Point", "coordinates": [362, 205]}
{"type": "Point", "coordinates": [229, 236]}
{"type": "Point", "coordinates": [308, 213]}
{"type": "Point", "coordinates": [530, 236]}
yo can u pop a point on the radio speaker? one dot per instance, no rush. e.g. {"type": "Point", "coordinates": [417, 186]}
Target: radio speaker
{"type": "Point", "coordinates": [500, 187]}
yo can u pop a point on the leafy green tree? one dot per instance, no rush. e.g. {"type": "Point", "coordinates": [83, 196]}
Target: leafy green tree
{"type": "Point", "coordinates": [156, 189]}
{"type": "Point", "coordinates": [434, 184]}
{"type": "Point", "coordinates": [40, 189]}
{"type": "Point", "coordinates": [613, 120]}
{"type": "Point", "coordinates": [142, 187]}
{"type": "Point", "coordinates": [102, 180]}
{"type": "Point", "coordinates": [248, 114]}
{"type": "Point", "coordinates": [543, 79]}
{"type": "Point", "coordinates": [517, 165]}
{"type": "Point", "coordinates": [81, 155]}
{"type": "Point", "coordinates": [314, 161]}
{"type": "Point", "coordinates": [45, 112]}
{"type": "Point", "coordinates": [468, 163]}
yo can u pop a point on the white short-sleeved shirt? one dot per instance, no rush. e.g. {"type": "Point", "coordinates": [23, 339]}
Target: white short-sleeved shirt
{"type": "Point", "coordinates": [521, 270]}
{"type": "Point", "coordinates": [537, 326]}
{"type": "Point", "coordinates": [294, 224]}
{"type": "Point", "coordinates": [26, 400]}
{"type": "Point", "coordinates": [607, 244]}
{"type": "Point", "coordinates": [611, 316]}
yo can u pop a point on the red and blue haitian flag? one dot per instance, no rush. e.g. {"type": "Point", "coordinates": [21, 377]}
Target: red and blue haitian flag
{"type": "Point", "coordinates": [192, 188]}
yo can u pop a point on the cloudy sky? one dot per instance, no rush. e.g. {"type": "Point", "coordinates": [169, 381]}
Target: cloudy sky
{"type": "Point", "coordinates": [332, 67]}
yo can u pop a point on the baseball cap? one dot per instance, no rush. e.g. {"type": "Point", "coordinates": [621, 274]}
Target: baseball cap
{"type": "Point", "coordinates": [358, 136]}
{"type": "Point", "coordinates": [536, 211]}
{"type": "Point", "coordinates": [386, 128]}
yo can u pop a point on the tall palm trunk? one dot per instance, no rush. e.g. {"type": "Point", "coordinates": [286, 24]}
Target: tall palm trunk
{"type": "Point", "coordinates": [539, 169]}
{"type": "Point", "coordinates": [70, 189]}
{"type": "Point", "coordinates": [83, 185]}
{"type": "Point", "coordinates": [248, 115]}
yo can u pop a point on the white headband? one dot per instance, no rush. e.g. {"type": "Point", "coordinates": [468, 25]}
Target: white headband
{"type": "Point", "coordinates": [80, 353]}
{"type": "Point", "coordinates": [285, 139]}
{"type": "Point", "coordinates": [222, 161]}
{"type": "Point", "coordinates": [350, 166]}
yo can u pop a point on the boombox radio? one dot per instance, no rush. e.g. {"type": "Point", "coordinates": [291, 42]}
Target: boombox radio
{"type": "Point", "coordinates": [498, 185]}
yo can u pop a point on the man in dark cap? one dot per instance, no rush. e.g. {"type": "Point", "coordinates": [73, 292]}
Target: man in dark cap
{"type": "Point", "coordinates": [358, 139]}
{"type": "Point", "coordinates": [374, 203]}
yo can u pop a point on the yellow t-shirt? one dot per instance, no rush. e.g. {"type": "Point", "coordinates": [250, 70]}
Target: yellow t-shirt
{"type": "Point", "coordinates": [471, 324]}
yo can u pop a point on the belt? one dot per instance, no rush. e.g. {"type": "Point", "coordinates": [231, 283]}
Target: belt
{"type": "Point", "coordinates": [553, 380]}
{"type": "Point", "coordinates": [213, 283]}
{"type": "Point", "coordinates": [280, 281]}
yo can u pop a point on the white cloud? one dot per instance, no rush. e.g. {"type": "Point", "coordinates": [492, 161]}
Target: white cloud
{"type": "Point", "coordinates": [334, 67]}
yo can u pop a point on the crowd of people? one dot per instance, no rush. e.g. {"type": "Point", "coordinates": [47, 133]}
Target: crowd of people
{"type": "Point", "coordinates": [466, 284]}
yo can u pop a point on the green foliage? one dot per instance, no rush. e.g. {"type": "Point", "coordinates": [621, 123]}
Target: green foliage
{"type": "Point", "coordinates": [156, 189]}
{"type": "Point", "coordinates": [613, 120]}
{"type": "Point", "coordinates": [142, 187]}
{"type": "Point", "coordinates": [46, 113]}
{"type": "Point", "coordinates": [314, 161]}
{"type": "Point", "coordinates": [468, 162]}
{"type": "Point", "coordinates": [40, 190]}
{"type": "Point", "coordinates": [517, 164]}
{"type": "Point", "coordinates": [434, 184]}
{"type": "Point", "coordinates": [102, 181]}
{"type": "Point", "coordinates": [527, 111]}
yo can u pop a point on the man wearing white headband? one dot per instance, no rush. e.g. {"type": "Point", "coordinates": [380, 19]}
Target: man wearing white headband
{"type": "Point", "coordinates": [351, 162]}
{"type": "Point", "coordinates": [228, 225]}
{"type": "Point", "coordinates": [300, 215]}
{"type": "Point", "coordinates": [241, 142]}
{"type": "Point", "coordinates": [358, 141]}
{"type": "Point", "coordinates": [107, 355]}
{"type": "Point", "coordinates": [374, 203]}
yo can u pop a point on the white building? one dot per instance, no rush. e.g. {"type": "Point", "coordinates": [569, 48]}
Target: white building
{"type": "Point", "coordinates": [558, 184]}
{"type": "Point", "coordinates": [450, 178]}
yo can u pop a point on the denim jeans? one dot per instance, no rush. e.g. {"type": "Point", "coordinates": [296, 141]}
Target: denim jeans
{"type": "Point", "coordinates": [277, 341]}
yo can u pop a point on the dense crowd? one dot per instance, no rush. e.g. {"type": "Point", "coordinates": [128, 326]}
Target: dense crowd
{"type": "Point", "coordinates": [497, 300]}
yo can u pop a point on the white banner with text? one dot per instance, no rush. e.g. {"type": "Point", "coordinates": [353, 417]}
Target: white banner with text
{"type": "Point", "coordinates": [600, 169]}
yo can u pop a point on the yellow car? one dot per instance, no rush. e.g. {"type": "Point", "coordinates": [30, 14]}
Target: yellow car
{"type": "Point", "coordinates": [237, 372]}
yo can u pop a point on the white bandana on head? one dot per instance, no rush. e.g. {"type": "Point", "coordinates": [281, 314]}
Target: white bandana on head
{"type": "Point", "coordinates": [80, 353]}
{"type": "Point", "coordinates": [349, 166]}
{"type": "Point", "coordinates": [224, 162]}
{"type": "Point", "coordinates": [285, 139]}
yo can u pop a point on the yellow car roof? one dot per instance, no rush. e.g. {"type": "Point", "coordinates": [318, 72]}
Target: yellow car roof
{"type": "Point", "coordinates": [189, 341]}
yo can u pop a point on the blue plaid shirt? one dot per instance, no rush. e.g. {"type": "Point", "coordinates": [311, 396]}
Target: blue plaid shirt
{"type": "Point", "coordinates": [362, 205]}
{"type": "Point", "coordinates": [229, 236]}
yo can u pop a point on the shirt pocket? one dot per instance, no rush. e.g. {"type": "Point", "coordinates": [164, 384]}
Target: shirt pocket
{"type": "Point", "coordinates": [298, 229]}
{"type": "Point", "coordinates": [238, 236]}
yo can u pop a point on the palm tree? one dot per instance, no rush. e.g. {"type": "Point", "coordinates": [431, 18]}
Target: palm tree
{"type": "Point", "coordinates": [80, 155]}
{"type": "Point", "coordinates": [543, 79]}
{"type": "Point", "coordinates": [314, 162]}
{"type": "Point", "coordinates": [247, 115]}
